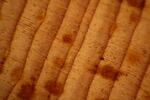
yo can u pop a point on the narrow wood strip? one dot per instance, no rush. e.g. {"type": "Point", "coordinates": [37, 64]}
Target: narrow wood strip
{"type": "Point", "coordinates": [113, 56]}
{"type": "Point", "coordinates": [86, 61]}
{"type": "Point", "coordinates": [39, 49]}
{"type": "Point", "coordinates": [60, 48]}
{"type": "Point", "coordinates": [135, 62]}
{"type": "Point", "coordinates": [30, 21]}
{"type": "Point", "coordinates": [76, 46]}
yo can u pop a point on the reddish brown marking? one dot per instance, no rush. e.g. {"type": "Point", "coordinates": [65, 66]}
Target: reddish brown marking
{"type": "Point", "coordinates": [54, 88]}
{"type": "Point", "coordinates": [5, 1]}
{"type": "Point", "coordinates": [133, 57]}
{"type": "Point", "coordinates": [16, 74]}
{"type": "Point", "coordinates": [94, 69]}
{"type": "Point", "coordinates": [109, 72]}
{"type": "Point", "coordinates": [1, 64]}
{"type": "Point", "coordinates": [144, 52]}
{"type": "Point", "coordinates": [41, 16]}
{"type": "Point", "coordinates": [134, 17]}
{"type": "Point", "coordinates": [0, 15]}
{"type": "Point", "coordinates": [120, 1]}
{"type": "Point", "coordinates": [26, 91]}
{"type": "Point", "coordinates": [136, 3]}
{"type": "Point", "coordinates": [113, 28]}
{"type": "Point", "coordinates": [1, 68]}
{"type": "Point", "coordinates": [101, 58]}
{"type": "Point", "coordinates": [33, 78]}
{"type": "Point", "coordinates": [58, 61]}
{"type": "Point", "coordinates": [68, 38]}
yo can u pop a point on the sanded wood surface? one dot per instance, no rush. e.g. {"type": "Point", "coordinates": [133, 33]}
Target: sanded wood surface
{"type": "Point", "coordinates": [74, 49]}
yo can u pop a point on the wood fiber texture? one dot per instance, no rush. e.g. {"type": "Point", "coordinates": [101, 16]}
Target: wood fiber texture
{"type": "Point", "coordinates": [74, 49]}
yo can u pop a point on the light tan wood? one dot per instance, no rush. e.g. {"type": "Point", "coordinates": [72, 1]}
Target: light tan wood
{"type": "Point", "coordinates": [74, 49]}
{"type": "Point", "coordinates": [144, 90]}
{"type": "Point", "coordinates": [39, 49]}
{"type": "Point", "coordinates": [86, 61]}
{"type": "Point", "coordinates": [135, 62]}
{"type": "Point", "coordinates": [59, 49]}
{"type": "Point", "coordinates": [113, 56]}
{"type": "Point", "coordinates": [31, 19]}
{"type": "Point", "coordinates": [9, 16]}
{"type": "Point", "coordinates": [86, 20]}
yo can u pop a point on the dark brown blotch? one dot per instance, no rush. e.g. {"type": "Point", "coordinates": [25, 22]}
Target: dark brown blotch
{"type": "Point", "coordinates": [120, 1]}
{"type": "Point", "coordinates": [16, 74]}
{"type": "Point", "coordinates": [101, 58]}
{"type": "Point", "coordinates": [54, 87]}
{"type": "Point", "coordinates": [58, 61]}
{"type": "Point", "coordinates": [1, 68]}
{"type": "Point", "coordinates": [133, 57]}
{"type": "Point", "coordinates": [5, 1]}
{"type": "Point", "coordinates": [41, 16]}
{"type": "Point", "coordinates": [26, 91]}
{"type": "Point", "coordinates": [68, 38]}
{"type": "Point", "coordinates": [2, 64]}
{"type": "Point", "coordinates": [137, 3]}
{"type": "Point", "coordinates": [93, 70]}
{"type": "Point", "coordinates": [33, 78]}
{"type": "Point", "coordinates": [113, 28]}
{"type": "Point", "coordinates": [134, 17]}
{"type": "Point", "coordinates": [109, 72]}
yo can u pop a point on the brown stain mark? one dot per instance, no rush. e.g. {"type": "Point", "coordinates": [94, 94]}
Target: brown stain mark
{"type": "Point", "coordinates": [145, 52]}
{"type": "Point", "coordinates": [133, 57]}
{"type": "Point", "coordinates": [120, 1]}
{"type": "Point", "coordinates": [33, 79]}
{"type": "Point", "coordinates": [1, 68]}
{"type": "Point", "coordinates": [16, 74]}
{"type": "Point", "coordinates": [0, 15]}
{"type": "Point", "coordinates": [109, 72]}
{"type": "Point", "coordinates": [101, 58]}
{"type": "Point", "coordinates": [113, 28]}
{"type": "Point", "coordinates": [26, 91]}
{"type": "Point", "coordinates": [1, 64]}
{"type": "Point", "coordinates": [93, 70]}
{"type": "Point", "coordinates": [137, 3]}
{"type": "Point", "coordinates": [134, 17]}
{"type": "Point", "coordinates": [58, 61]}
{"type": "Point", "coordinates": [41, 16]}
{"type": "Point", "coordinates": [54, 87]}
{"type": "Point", "coordinates": [68, 38]}
{"type": "Point", "coordinates": [5, 1]}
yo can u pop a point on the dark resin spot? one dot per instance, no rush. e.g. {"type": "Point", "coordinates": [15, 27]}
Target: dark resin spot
{"type": "Point", "coordinates": [59, 61]}
{"type": "Point", "coordinates": [113, 28]}
{"type": "Point", "coordinates": [16, 74]}
{"type": "Point", "coordinates": [133, 57]}
{"type": "Point", "coordinates": [1, 64]}
{"type": "Point", "coordinates": [26, 91]}
{"type": "Point", "coordinates": [93, 70]}
{"type": "Point", "coordinates": [101, 58]}
{"type": "Point", "coordinates": [109, 72]}
{"type": "Point", "coordinates": [41, 16]}
{"type": "Point", "coordinates": [137, 3]}
{"type": "Point", "coordinates": [120, 1]}
{"type": "Point", "coordinates": [134, 17]}
{"type": "Point", "coordinates": [68, 38]}
{"type": "Point", "coordinates": [5, 1]}
{"type": "Point", "coordinates": [33, 79]}
{"type": "Point", "coordinates": [54, 88]}
{"type": "Point", "coordinates": [1, 68]}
